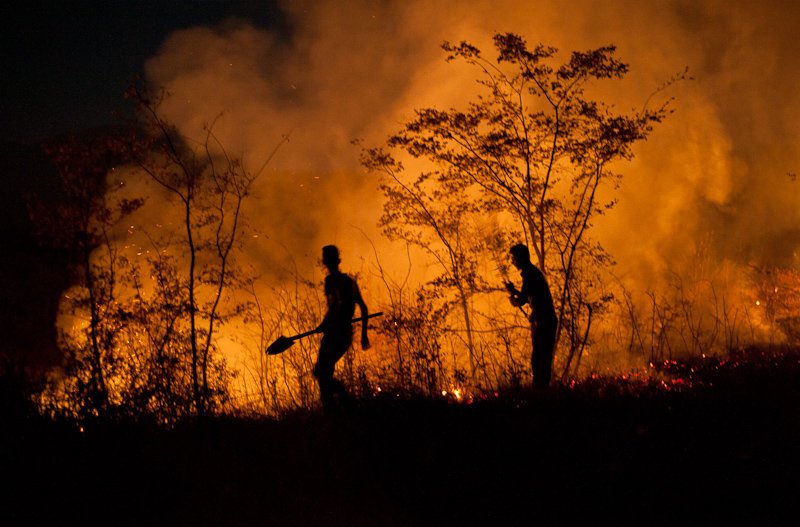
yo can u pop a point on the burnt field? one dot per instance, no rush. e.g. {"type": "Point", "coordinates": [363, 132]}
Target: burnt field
{"type": "Point", "coordinates": [703, 442]}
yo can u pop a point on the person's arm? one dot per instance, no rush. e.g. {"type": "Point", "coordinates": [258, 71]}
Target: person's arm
{"type": "Point", "coordinates": [512, 293]}
{"type": "Point", "coordinates": [516, 297]}
{"type": "Point", "coordinates": [362, 306]}
{"type": "Point", "coordinates": [526, 293]}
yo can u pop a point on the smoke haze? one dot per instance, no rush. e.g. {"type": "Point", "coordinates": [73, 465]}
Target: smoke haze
{"type": "Point", "coordinates": [717, 170]}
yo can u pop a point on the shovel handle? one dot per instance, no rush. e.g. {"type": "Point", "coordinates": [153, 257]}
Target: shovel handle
{"type": "Point", "coordinates": [314, 331]}
{"type": "Point", "coordinates": [284, 343]}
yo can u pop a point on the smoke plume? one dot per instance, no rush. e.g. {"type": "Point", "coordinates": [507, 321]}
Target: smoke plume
{"type": "Point", "coordinates": [717, 172]}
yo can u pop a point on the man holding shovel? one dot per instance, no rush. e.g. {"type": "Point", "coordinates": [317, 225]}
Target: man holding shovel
{"type": "Point", "coordinates": [342, 295]}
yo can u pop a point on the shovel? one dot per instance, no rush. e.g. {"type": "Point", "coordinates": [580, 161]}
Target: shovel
{"type": "Point", "coordinates": [282, 343]}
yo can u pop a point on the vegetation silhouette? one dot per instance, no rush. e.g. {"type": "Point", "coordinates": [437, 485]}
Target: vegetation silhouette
{"type": "Point", "coordinates": [524, 159]}
{"type": "Point", "coordinates": [717, 440]}
{"type": "Point", "coordinates": [149, 348]}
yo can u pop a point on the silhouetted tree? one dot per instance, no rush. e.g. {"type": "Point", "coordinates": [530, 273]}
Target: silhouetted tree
{"type": "Point", "coordinates": [81, 223]}
{"type": "Point", "coordinates": [210, 186]}
{"type": "Point", "coordinates": [533, 149]}
{"type": "Point", "coordinates": [434, 213]}
{"type": "Point", "coordinates": [149, 344]}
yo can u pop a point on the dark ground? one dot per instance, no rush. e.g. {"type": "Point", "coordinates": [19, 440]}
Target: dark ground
{"type": "Point", "coordinates": [721, 448]}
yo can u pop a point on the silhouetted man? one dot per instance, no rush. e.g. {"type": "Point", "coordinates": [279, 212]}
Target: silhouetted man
{"type": "Point", "coordinates": [342, 294]}
{"type": "Point", "coordinates": [543, 319]}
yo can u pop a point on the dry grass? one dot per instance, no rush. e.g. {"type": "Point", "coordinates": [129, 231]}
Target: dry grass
{"type": "Point", "coordinates": [706, 441]}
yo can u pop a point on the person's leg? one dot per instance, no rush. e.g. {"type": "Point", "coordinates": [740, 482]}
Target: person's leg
{"type": "Point", "coordinates": [323, 371]}
{"type": "Point", "coordinates": [332, 347]}
{"type": "Point", "coordinates": [542, 358]}
{"type": "Point", "coordinates": [535, 357]}
{"type": "Point", "coordinates": [342, 344]}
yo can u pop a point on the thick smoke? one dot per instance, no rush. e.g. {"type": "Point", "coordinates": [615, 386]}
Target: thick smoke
{"type": "Point", "coordinates": [718, 172]}
{"type": "Point", "coordinates": [336, 80]}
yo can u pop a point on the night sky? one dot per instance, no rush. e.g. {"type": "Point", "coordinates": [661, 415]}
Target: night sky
{"type": "Point", "coordinates": [67, 64]}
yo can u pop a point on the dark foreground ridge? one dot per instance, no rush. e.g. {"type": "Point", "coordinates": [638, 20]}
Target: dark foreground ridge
{"type": "Point", "coordinates": [720, 445]}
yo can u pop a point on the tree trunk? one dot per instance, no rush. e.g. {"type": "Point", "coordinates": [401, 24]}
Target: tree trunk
{"type": "Point", "coordinates": [99, 395]}
{"type": "Point", "coordinates": [463, 301]}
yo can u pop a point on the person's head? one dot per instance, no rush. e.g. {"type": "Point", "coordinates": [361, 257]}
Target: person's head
{"type": "Point", "coordinates": [330, 257]}
{"type": "Point", "coordinates": [520, 255]}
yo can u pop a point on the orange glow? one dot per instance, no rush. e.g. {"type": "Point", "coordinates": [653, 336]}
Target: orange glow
{"type": "Point", "coordinates": [699, 203]}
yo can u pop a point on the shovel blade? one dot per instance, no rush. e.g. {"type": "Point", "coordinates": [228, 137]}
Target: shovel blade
{"type": "Point", "coordinates": [280, 345]}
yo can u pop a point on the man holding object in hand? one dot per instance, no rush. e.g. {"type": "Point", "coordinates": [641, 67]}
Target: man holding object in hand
{"type": "Point", "coordinates": [543, 319]}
